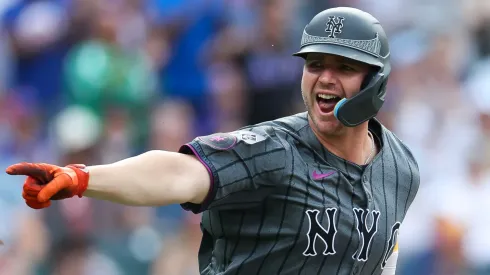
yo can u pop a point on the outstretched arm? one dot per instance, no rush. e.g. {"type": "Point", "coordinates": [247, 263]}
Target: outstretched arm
{"type": "Point", "coordinates": [153, 178]}
{"type": "Point", "coordinates": [218, 171]}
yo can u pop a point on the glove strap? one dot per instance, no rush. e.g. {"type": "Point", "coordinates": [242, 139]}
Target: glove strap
{"type": "Point", "coordinates": [82, 176]}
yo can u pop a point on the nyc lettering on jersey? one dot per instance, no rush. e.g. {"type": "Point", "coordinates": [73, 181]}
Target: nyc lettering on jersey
{"type": "Point", "coordinates": [327, 235]}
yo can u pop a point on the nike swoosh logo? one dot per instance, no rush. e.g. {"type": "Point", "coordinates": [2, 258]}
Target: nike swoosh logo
{"type": "Point", "coordinates": [317, 176]}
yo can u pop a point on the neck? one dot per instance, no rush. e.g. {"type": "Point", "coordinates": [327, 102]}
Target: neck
{"type": "Point", "coordinates": [353, 145]}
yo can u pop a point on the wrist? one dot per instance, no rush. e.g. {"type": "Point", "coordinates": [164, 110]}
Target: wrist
{"type": "Point", "coordinates": [82, 177]}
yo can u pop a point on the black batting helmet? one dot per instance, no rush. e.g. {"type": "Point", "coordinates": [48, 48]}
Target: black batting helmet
{"type": "Point", "coordinates": [357, 35]}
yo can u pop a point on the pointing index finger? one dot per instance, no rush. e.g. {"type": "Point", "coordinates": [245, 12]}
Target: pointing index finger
{"type": "Point", "coordinates": [19, 168]}
{"type": "Point", "coordinates": [36, 171]}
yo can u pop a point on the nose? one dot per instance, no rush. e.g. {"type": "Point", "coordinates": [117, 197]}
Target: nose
{"type": "Point", "coordinates": [327, 76]}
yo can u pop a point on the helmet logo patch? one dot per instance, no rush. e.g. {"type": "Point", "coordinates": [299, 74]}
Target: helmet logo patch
{"type": "Point", "coordinates": [334, 25]}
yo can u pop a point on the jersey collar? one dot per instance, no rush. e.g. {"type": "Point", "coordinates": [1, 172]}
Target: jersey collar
{"type": "Point", "coordinates": [346, 167]}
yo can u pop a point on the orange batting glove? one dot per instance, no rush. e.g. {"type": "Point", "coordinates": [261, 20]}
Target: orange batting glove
{"type": "Point", "coordinates": [46, 182]}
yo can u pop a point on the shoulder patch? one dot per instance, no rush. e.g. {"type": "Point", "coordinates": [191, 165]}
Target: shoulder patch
{"type": "Point", "coordinates": [219, 141]}
{"type": "Point", "coordinates": [248, 136]}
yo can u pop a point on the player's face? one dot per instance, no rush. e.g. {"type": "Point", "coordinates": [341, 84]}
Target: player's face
{"type": "Point", "coordinates": [327, 79]}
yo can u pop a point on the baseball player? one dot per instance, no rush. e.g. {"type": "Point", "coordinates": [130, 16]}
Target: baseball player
{"type": "Point", "coordinates": [319, 192]}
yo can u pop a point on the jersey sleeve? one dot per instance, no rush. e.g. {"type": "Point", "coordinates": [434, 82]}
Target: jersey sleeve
{"type": "Point", "coordinates": [244, 167]}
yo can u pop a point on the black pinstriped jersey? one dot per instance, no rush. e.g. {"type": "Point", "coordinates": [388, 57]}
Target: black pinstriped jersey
{"type": "Point", "coordinates": [280, 203]}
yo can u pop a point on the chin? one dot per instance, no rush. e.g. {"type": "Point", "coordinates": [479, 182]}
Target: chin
{"type": "Point", "coordinates": [326, 124]}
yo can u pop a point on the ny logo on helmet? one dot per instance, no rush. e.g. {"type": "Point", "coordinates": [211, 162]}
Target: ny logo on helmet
{"type": "Point", "coordinates": [334, 26]}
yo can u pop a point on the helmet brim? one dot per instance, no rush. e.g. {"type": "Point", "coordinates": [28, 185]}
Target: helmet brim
{"type": "Point", "coordinates": [341, 51]}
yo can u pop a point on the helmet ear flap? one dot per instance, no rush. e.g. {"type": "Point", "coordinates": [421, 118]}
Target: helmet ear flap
{"type": "Point", "coordinates": [363, 106]}
{"type": "Point", "coordinates": [382, 89]}
{"type": "Point", "coordinates": [369, 77]}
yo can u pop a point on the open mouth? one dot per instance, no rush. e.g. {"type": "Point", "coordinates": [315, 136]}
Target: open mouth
{"type": "Point", "coordinates": [327, 103]}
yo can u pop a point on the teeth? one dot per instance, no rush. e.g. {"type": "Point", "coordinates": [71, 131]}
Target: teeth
{"type": "Point", "coordinates": [324, 96]}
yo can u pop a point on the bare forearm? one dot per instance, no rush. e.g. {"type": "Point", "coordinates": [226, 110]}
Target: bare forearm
{"type": "Point", "coordinates": [154, 178]}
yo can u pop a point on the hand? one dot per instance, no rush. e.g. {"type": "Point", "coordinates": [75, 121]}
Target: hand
{"type": "Point", "coordinates": [47, 182]}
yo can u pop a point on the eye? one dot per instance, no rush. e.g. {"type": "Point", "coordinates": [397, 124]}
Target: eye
{"type": "Point", "coordinates": [347, 68]}
{"type": "Point", "coordinates": [314, 64]}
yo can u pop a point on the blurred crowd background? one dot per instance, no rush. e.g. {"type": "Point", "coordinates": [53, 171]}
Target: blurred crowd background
{"type": "Point", "coordinates": [91, 81]}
